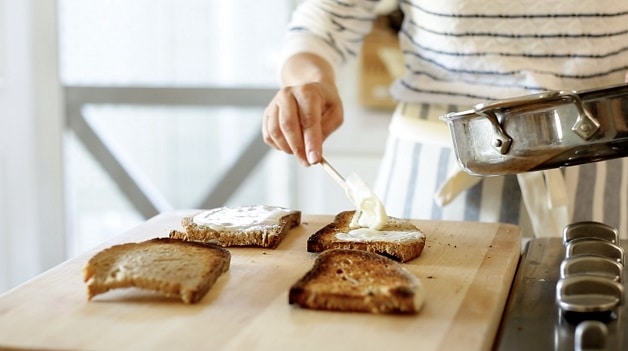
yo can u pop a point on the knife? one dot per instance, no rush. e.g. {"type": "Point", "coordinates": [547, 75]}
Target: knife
{"type": "Point", "coordinates": [333, 173]}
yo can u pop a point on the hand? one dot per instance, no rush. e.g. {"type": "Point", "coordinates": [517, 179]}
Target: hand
{"type": "Point", "coordinates": [299, 118]}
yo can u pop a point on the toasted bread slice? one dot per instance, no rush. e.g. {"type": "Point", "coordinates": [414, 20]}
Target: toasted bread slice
{"type": "Point", "coordinates": [258, 225]}
{"type": "Point", "coordinates": [398, 239]}
{"type": "Point", "coordinates": [172, 267]}
{"type": "Point", "coordinates": [358, 281]}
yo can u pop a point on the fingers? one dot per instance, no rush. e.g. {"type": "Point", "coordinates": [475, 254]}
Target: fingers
{"type": "Point", "coordinates": [293, 122]}
{"type": "Point", "coordinates": [281, 127]}
{"type": "Point", "coordinates": [289, 130]}
{"type": "Point", "coordinates": [276, 120]}
{"type": "Point", "coordinates": [331, 120]}
{"type": "Point", "coordinates": [310, 114]}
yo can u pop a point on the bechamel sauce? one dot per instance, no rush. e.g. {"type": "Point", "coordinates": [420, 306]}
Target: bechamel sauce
{"type": "Point", "coordinates": [367, 234]}
{"type": "Point", "coordinates": [238, 218]}
{"type": "Point", "coordinates": [370, 211]}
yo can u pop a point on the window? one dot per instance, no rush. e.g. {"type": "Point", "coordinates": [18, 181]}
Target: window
{"type": "Point", "coordinates": [179, 149]}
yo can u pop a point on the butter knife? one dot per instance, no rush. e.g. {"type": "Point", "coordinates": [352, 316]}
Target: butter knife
{"type": "Point", "coordinates": [333, 173]}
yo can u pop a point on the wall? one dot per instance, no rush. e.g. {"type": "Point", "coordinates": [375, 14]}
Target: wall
{"type": "Point", "coordinates": [31, 192]}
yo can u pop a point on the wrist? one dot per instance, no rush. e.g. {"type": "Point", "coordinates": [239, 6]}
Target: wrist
{"type": "Point", "coordinates": [304, 68]}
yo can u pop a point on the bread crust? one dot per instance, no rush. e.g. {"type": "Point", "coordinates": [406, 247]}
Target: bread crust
{"type": "Point", "coordinates": [356, 281]}
{"type": "Point", "coordinates": [399, 250]}
{"type": "Point", "coordinates": [268, 236]}
{"type": "Point", "coordinates": [172, 267]}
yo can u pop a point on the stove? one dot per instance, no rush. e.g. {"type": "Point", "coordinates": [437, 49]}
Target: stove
{"type": "Point", "coordinates": [542, 314]}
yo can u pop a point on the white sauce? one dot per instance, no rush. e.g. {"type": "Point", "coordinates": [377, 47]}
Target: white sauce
{"type": "Point", "coordinates": [370, 211]}
{"type": "Point", "coordinates": [367, 234]}
{"type": "Point", "coordinates": [239, 218]}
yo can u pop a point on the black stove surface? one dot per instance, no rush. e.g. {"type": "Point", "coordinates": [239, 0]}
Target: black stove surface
{"type": "Point", "coordinates": [533, 321]}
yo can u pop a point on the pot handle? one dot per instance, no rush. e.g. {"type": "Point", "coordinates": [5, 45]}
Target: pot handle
{"type": "Point", "coordinates": [586, 125]}
{"type": "Point", "coordinates": [501, 140]}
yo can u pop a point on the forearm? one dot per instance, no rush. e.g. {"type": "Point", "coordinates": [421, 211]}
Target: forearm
{"type": "Point", "coordinates": [305, 68]}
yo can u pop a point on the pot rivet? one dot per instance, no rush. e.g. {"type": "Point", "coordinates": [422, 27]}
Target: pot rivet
{"type": "Point", "coordinates": [497, 143]}
{"type": "Point", "coordinates": [585, 128]}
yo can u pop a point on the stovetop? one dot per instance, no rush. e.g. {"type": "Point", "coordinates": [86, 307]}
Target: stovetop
{"type": "Point", "coordinates": [533, 320]}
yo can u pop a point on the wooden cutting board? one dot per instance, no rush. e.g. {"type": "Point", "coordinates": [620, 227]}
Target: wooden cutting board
{"type": "Point", "coordinates": [467, 269]}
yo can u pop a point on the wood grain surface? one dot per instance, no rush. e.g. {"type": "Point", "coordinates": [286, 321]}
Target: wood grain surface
{"type": "Point", "coordinates": [466, 267]}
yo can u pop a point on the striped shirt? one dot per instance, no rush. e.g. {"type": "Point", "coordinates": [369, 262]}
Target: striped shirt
{"type": "Point", "coordinates": [468, 51]}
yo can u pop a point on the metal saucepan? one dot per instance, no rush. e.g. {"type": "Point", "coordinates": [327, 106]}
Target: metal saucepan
{"type": "Point", "coordinates": [541, 131]}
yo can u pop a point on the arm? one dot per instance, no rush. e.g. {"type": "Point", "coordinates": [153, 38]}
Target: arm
{"type": "Point", "coordinates": [306, 110]}
{"type": "Point", "coordinates": [322, 35]}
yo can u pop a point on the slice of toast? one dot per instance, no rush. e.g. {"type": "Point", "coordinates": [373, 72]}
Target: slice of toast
{"type": "Point", "coordinates": [257, 225]}
{"type": "Point", "coordinates": [398, 239]}
{"type": "Point", "coordinates": [358, 281]}
{"type": "Point", "coordinates": [172, 267]}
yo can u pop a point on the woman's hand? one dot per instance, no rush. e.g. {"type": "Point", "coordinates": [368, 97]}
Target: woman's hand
{"type": "Point", "coordinates": [305, 111]}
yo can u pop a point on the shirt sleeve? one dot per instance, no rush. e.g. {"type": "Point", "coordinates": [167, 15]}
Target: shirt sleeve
{"type": "Point", "coordinates": [331, 29]}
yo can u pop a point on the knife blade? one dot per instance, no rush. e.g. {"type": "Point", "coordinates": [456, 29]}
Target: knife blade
{"type": "Point", "coordinates": [333, 173]}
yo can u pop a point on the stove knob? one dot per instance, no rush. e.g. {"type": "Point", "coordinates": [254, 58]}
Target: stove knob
{"type": "Point", "coordinates": [590, 230]}
{"type": "Point", "coordinates": [595, 248]}
{"type": "Point", "coordinates": [588, 294]}
{"type": "Point", "coordinates": [592, 265]}
{"type": "Point", "coordinates": [590, 336]}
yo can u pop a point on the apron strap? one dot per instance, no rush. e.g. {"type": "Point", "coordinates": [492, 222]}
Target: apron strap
{"type": "Point", "coordinates": [545, 198]}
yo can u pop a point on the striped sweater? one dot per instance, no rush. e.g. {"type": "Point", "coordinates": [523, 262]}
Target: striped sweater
{"type": "Point", "coordinates": [468, 51]}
